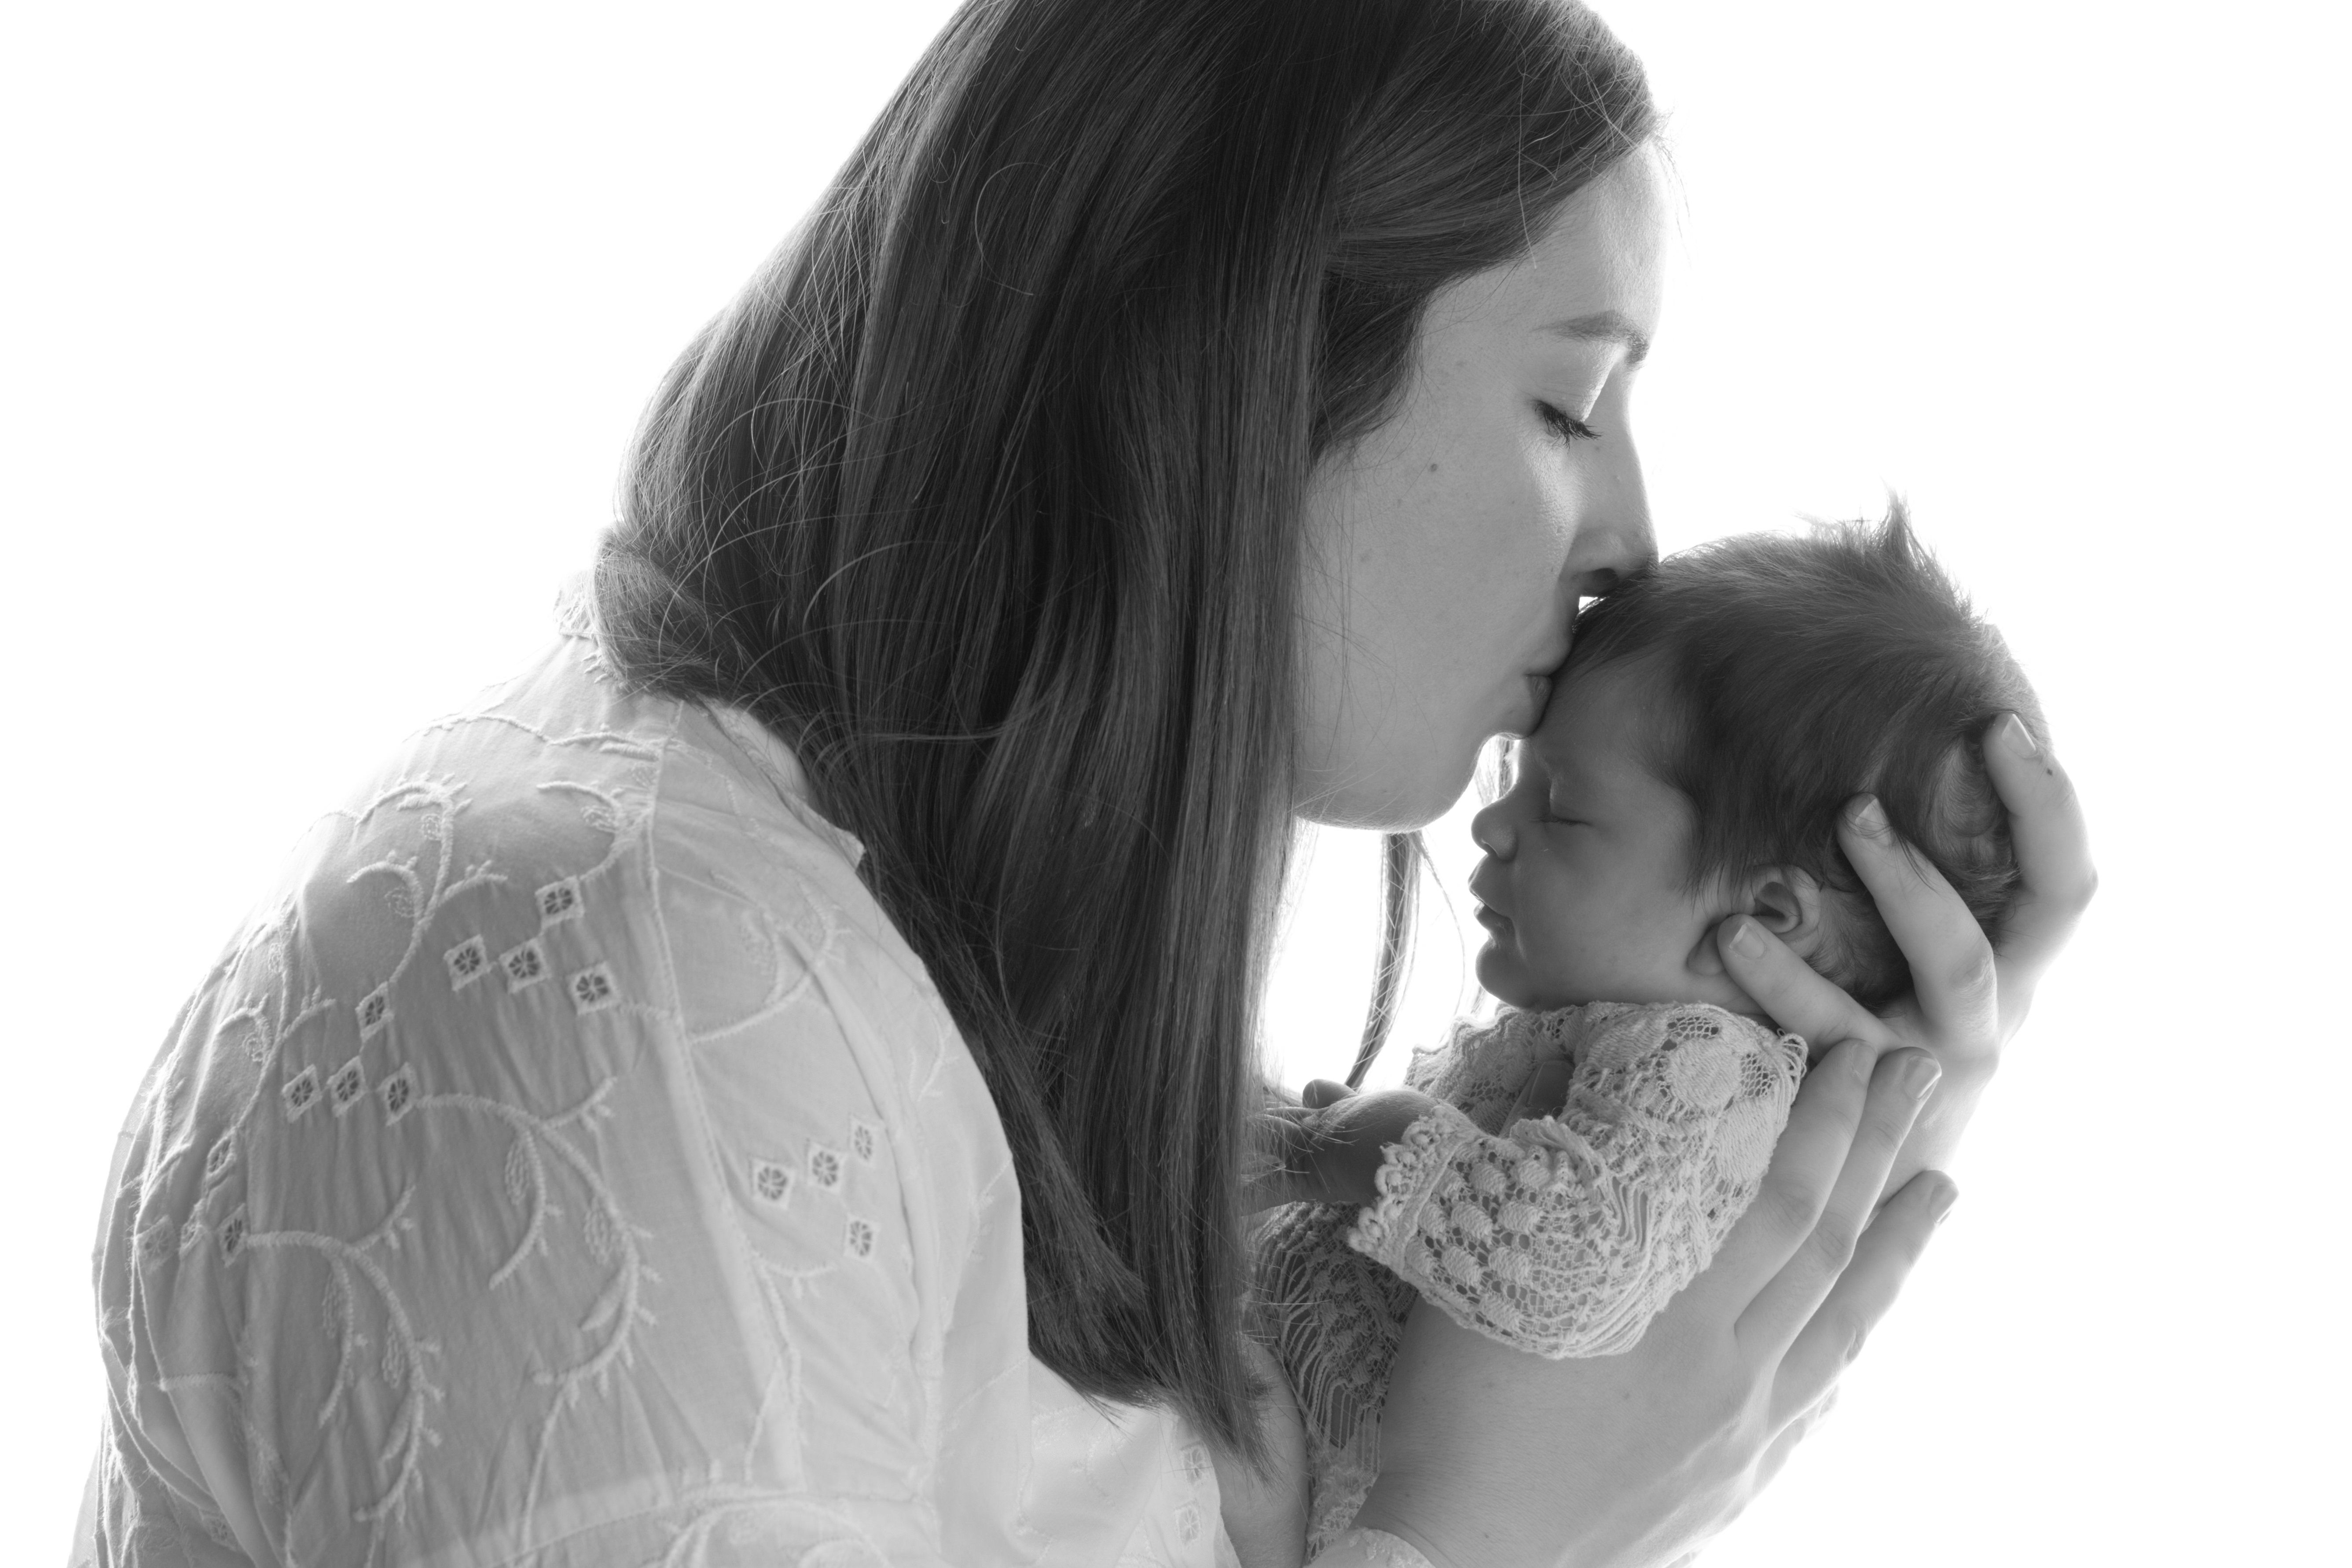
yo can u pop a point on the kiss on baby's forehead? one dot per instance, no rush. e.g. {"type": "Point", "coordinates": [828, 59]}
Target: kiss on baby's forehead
{"type": "Point", "coordinates": [1769, 680]}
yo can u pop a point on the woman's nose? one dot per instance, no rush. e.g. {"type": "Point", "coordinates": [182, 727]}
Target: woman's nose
{"type": "Point", "coordinates": [1492, 832]}
{"type": "Point", "coordinates": [1616, 540]}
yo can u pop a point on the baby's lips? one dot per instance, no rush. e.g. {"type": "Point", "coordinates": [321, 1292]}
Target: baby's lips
{"type": "Point", "coordinates": [1484, 895]}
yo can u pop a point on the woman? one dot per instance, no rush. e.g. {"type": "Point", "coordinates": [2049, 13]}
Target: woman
{"type": "Point", "coordinates": [776, 1082]}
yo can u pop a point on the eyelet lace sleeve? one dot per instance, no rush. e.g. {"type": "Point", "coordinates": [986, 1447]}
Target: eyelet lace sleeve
{"type": "Point", "coordinates": [1566, 1234]}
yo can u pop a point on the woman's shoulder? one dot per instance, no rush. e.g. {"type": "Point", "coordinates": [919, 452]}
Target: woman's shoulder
{"type": "Point", "coordinates": [627, 848]}
{"type": "Point", "coordinates": [530, 906]}
{"type": "Point", "coordinates": [572, 1041]}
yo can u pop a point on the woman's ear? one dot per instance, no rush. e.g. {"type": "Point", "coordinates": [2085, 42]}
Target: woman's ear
{"type": "Point", "coordinates": [1787, 901]}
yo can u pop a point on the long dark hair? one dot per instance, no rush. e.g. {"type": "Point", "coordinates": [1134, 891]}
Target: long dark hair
{"type": "Point", "coordinates": [985, 493]}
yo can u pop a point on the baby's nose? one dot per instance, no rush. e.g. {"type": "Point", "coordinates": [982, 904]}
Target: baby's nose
{"type": "Point", "coordinates": [1492, 832]}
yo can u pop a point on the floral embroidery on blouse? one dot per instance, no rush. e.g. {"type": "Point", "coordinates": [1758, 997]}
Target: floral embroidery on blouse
{"type": "Point", "coordinates": [571, 1165]}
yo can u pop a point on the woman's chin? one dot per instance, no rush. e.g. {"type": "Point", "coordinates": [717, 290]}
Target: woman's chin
{"type": "Point", "coordinates": [1401, 800]}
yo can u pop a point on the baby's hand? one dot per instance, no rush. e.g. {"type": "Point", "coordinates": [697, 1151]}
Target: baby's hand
{"type": "Point", "coordinates": [1328, 1150]}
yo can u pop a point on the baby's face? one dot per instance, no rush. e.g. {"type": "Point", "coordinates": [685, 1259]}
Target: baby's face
{"type": "Point", "coordinates": [1581, 890]}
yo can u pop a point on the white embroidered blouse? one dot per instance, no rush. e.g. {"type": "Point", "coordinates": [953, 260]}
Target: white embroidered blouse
{"type": "Point", "coordinates": [572, 1168]}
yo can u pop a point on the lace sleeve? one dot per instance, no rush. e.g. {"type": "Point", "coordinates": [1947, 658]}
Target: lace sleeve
{"type": "Point", "coordinates": [1566, 1235]}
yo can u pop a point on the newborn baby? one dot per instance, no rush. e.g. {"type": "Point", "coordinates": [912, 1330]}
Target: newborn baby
{"type": "Point", "coordinates": [1715, 716]}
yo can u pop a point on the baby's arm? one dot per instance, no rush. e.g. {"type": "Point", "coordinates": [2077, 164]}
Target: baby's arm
{"type": "Point", "coordinates": [1567, 1235]}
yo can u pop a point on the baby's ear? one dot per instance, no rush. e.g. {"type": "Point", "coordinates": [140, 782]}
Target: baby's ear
{"type": "Point", "coordinates": [1787, 901]}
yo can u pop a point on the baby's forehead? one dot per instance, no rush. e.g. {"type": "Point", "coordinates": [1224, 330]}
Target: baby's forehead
{"type": "Point", "coordinates": [1599, 750]}
{"type": "Point", "coordinates": [1596, 718]}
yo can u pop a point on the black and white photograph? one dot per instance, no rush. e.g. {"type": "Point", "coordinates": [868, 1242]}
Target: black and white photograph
{"type": "Point", "coordinates": [1178, 784]}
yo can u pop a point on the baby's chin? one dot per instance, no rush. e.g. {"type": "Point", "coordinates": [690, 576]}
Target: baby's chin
{"type": "Point", "coordinates": [1508, 981]}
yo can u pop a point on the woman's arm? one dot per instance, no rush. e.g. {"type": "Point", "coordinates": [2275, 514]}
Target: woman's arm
{"type": "Point", "coordinates": [627, 1214]}
{"type": "Point", "coordinates": [1265, 1515]}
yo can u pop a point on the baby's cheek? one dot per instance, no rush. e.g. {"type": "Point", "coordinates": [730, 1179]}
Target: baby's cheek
{"type": "Point", "coordinates": [1577, 915]}
{"type": "Point", "coordinates": [1568, 954]}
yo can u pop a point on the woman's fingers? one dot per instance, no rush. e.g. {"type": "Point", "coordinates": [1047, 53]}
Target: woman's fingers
{"type": "Point", "coordinates": [1837, 1181]}
{"type": "Point", "coordinates": [1785, 987]}
{"type": "Point", "coordinates": [1883, 1260]}
{"type": "Point", "coordinates": [1813, 1149]}
{"type": "Point", "coordinates": [2053, 855]}
{"type": "Point", "coordinates": [1952, 972]}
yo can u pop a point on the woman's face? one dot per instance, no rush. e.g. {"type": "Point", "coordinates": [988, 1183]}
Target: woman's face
{"type": "Point", "coordinates": [1449, 548]}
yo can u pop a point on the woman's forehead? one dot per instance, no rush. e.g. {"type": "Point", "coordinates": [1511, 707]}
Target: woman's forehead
{"type": "Point", "coordinates": [1597, 270]}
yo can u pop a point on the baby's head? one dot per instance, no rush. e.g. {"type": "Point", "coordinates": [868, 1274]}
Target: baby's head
{"type": "Point", "coordinates": [1715, 717]}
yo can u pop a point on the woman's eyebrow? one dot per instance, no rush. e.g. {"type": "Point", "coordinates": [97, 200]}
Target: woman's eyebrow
{"type": "Point", "coordinates": [1605, 327]}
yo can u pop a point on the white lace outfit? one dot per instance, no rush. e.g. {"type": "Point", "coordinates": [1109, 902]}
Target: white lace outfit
{"type": "Point", "coordinates": [1563, 1235]}
{"type": "Point", "coordinates": [570, 1166]}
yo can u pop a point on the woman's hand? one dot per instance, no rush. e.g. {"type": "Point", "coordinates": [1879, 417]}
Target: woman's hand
{"type": "Point", "coordinates": [1493, 1457]}
{"type": "Point", "coordinates": [1967, 999]}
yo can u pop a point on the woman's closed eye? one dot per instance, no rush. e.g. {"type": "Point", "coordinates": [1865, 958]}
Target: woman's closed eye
{"type": "Point", "coordinates": [1566, 426]}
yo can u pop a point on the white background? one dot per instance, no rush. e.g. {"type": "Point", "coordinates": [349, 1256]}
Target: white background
{"type": "Point", "coordinates": [324, 327]}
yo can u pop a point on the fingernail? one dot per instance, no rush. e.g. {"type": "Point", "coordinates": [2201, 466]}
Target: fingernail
{"type": "Point", "coordinates": [1869, 815]}
{"type": "Point", "coordinates": [1860, 1061]}
{"type": "Point", "coordinates": [1745, 942]}
{"type": "Point", "coordinates": [1943, 1205]}
{"type": "Point", "coordinates": [2018, 738]}
{"type": "Point", "coordinates": [1919, 1076]}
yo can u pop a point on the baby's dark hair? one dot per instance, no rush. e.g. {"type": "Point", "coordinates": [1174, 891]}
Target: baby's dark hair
{"type": "Point", "coordinates": [1790, 674]}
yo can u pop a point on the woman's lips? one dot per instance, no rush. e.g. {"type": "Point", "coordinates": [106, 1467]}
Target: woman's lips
{"type": "Point", "coordinates": [1492, 920]}
{"type": "Point", "coordinates": [1539, 694]}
